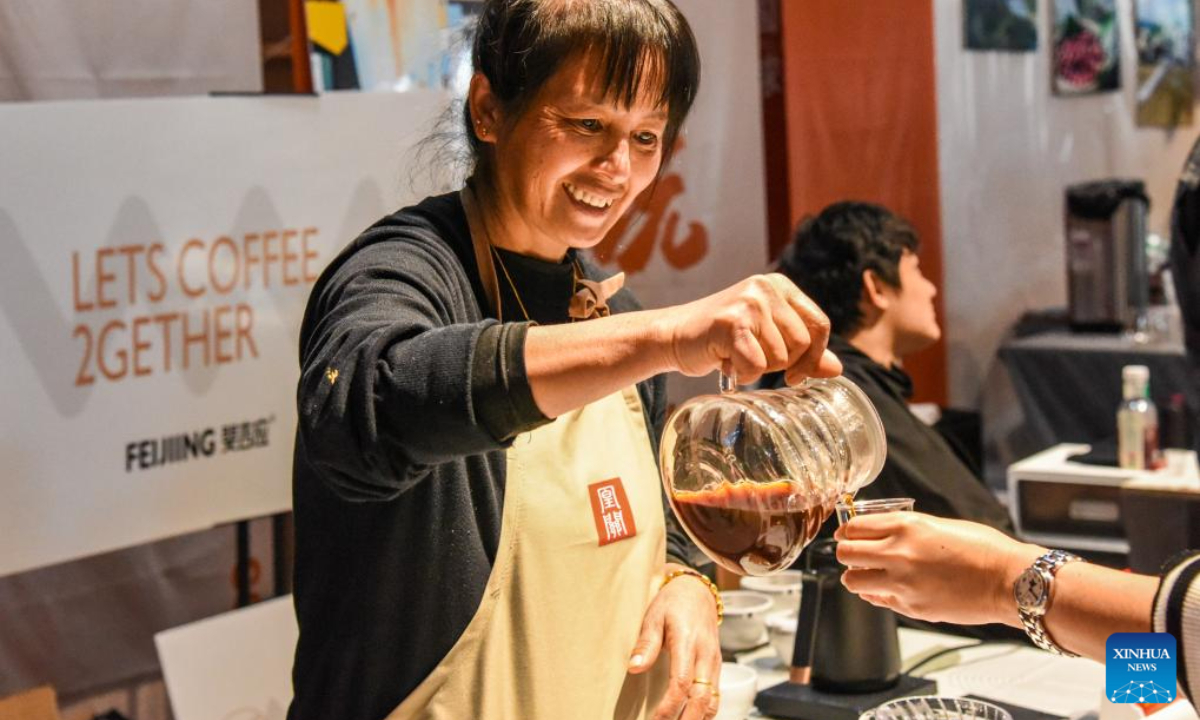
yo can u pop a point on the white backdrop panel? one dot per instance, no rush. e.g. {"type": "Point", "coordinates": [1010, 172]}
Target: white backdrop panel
{"type": "Point", "coordinates": [87, 179]}
{"type": "Point", "coordinates": [67, 50]}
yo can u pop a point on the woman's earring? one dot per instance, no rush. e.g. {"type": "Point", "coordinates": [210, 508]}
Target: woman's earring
{"type": "Point", "coordinates": [482, 129]}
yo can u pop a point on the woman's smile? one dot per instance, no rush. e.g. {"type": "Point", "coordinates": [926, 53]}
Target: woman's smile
{"type": "Point", "coordinates": [590, 199]}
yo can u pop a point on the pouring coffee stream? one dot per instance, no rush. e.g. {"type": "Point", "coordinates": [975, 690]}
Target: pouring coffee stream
{"type": "Point", "coordinates": [752, 475]}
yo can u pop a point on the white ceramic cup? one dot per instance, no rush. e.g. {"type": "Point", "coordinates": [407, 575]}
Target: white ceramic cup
{"type": "Point", "coordinates": [744, 625]}
{"type": "Point", "coordinates": [739, 685]}
{"type": "Point", "coordinates": [781, 629]}
{"type": "Point", "coordinates": [784, 587]}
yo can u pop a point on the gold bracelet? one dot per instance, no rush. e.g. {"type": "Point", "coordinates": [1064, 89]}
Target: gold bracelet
{"type": "Point", "coordinates": [712, 588]}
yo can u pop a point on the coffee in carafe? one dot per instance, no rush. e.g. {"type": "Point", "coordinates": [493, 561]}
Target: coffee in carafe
{"type": "Point", "coordinates": [752, 476]}
{"type": "Point", "coordinates": [756, 526]}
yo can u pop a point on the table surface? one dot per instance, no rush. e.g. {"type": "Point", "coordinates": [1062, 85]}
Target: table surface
{"type": "Point", "coordinates": [1017, 675]}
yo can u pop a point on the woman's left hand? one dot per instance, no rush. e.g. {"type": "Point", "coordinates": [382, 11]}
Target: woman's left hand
{"type": "Point", "coordinates": [683, 618]}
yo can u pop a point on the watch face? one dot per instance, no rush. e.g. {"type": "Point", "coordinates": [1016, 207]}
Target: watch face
{"type": "Point", "coordinates": [1030, 589]}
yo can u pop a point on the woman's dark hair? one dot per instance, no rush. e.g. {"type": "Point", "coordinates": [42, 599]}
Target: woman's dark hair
{"type": "Point", "coordinates": [641, 45]}
{"type": "Point", "coordinates": [829, 253]}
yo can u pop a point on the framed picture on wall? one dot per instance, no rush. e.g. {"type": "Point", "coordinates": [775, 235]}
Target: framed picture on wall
{"type": "Point", "coordinates": [1087, 56]}
{"type": "Point", "coordinates": [1165, 36]}
{"type": "Point", "coordinates": [391, 45]}
{"type": "Point", "coordinates": [1000, 25]}
{"type": "Point", "coordinates": [333, 52]}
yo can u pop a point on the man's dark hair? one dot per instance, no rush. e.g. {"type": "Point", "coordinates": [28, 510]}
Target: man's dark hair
{"type": "Point", "coordinates": [829, 253]}
{"type": "Point", "coordinates": [642, 46]}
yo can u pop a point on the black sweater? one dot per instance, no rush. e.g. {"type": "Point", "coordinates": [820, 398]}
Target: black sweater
{"type": "Point", "coordinates": [409, 393]}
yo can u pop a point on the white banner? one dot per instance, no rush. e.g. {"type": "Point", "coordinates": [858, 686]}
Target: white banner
{"type": "Point", "coordinates": [157, 258]}
{"type": "Point", "coordinates": [158, 255]}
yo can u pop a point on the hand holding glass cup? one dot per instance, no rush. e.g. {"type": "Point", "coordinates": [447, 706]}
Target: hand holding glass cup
{"type": "Point", "coordinates": [846, 510]}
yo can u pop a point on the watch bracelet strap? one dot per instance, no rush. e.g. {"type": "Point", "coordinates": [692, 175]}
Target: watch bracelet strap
{"type": "Point", "coordinates": [1034, 627]}
{"type": "Point", "coordinates": [1055, 559]}
{"type": "Point", "coordinates": [1036, 631]}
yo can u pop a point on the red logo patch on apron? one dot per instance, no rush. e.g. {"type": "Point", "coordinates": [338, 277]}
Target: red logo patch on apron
{"type": "Point", "coordinates": [611, 511]}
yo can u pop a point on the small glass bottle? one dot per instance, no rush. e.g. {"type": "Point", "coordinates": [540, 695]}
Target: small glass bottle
{"type": "Point", "coordinates": [1137, 422]}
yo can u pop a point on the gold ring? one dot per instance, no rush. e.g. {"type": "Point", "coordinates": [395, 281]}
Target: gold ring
{"type": "Point", "coordinates": [701, 682]}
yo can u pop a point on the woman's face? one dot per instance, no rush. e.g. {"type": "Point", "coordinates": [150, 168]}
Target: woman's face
{"type": "Point", "coordinates": [570, 166]}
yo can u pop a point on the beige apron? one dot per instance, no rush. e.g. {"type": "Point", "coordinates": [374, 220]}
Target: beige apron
{"type": "Point", "coordinates": [581, 553]}
{"type": "Point", "coordinates": [562, 612]}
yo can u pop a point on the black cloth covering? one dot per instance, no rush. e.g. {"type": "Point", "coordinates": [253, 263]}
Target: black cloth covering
{"type": "Point", "coordinates": [1185, 270]}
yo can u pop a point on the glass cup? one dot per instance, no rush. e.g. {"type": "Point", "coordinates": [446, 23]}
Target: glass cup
{"type": "Point", "coordinates": [846, 510]}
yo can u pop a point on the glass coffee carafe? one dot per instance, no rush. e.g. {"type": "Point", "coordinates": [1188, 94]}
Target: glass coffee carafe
{"type": "Point", "coordinates": [753, 475]}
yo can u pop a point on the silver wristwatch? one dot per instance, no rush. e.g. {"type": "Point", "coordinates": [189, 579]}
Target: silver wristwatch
{"type": "Point", "coordinates": [1033, 593]}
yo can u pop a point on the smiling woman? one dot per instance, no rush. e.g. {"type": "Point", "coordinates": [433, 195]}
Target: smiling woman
{"type": "Point", "coordinates": [479, 520]}
{"type": "Point", "coordinates": [559, 167]}
{"type": "Point", "coordinates": [561, 173]}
